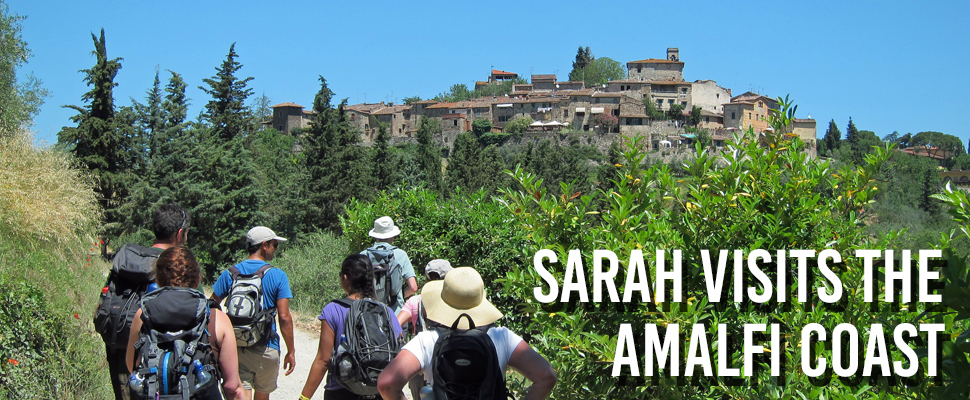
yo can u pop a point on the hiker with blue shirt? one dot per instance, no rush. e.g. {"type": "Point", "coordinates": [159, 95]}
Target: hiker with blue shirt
{"type": "Point", "coordinates": [259, 362]}
{"type": "Point", "coordinates": [384, 232]}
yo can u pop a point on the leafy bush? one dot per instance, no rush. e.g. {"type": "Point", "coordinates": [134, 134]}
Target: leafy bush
{"type": "Point", "coordinates": [468, 229]}
{"type": "Point", "coordinates": [518, 125]}
{"type": "Point", "coordinates": [761, 193]}
{"type": "Point", "coordinates": [312, 263]}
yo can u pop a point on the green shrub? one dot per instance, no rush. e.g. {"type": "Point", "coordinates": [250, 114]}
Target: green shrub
{"type": "Point", "coordinates": [761, 193]}
{"type": "Point", "coordinates": [312, 263]}
{"type": "Point", "coordinates": [468, 229]}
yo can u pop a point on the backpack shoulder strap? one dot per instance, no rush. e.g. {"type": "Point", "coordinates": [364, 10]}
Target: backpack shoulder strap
{"type": "Point", "coordinates": [262, 270]}
{"type": "Point", "coordinates": [345, 302]}
{"type": "Point", "coordinates": [234, 272]}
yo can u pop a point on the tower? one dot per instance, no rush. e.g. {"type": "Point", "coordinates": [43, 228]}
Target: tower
{"type": "Point", "coordinates": [673, 54]}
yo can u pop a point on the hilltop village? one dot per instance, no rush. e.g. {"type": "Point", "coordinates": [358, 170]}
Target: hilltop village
{"type": "Point", "coordinates": [556, 106]}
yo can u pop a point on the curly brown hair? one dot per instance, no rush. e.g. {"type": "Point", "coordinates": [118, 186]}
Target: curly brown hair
{"type": "Point", "coordinates": [177, 266]}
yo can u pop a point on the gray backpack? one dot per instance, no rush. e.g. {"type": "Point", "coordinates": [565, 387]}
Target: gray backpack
{"type": "Point", "coordinates": [388, 275]}
{"type": "Point", "coordinates": [244, 307]}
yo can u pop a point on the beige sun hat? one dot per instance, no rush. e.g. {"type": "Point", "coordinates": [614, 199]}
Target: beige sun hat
{"type": "Point", "coordinates": [461, 292]}
{"type": "Point", "coordinates": [384, 228]}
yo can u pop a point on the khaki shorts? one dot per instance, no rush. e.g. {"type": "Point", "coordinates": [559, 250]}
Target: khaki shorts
{"type": "Point", "coordinates": [259, 366]}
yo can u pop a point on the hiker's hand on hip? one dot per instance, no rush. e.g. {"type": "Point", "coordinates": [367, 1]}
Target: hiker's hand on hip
{"type": "Point", "coordinates": [289, 363]}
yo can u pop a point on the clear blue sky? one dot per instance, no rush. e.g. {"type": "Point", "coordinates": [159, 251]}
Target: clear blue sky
{"type": "Point", "coordinates": [892, 66]}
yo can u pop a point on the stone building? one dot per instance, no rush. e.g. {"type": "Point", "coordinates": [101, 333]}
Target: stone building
{"type": "Point", "coordinates": [748, 110]}
{"type": "Point", "coordinates": [544, 82]}
{"type": "Point", "coordinates": [288, 116]}
{"type": "Point", "coordinates": [708, 95]}
{"type": "Point", "coordinates": [652, 69]}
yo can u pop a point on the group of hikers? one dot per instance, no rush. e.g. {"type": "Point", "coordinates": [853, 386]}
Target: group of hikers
{"type": "Point", "coordinates": [165, 340]}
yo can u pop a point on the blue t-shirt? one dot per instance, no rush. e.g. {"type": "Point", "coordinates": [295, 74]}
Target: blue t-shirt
{"type": "Point", "coordinates": [335, 315]}
{"type": "Point", "coordinates": [276, 285]}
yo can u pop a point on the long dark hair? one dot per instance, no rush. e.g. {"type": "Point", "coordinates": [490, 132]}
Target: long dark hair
{"type": "Point", "coordinates": [360, 274]}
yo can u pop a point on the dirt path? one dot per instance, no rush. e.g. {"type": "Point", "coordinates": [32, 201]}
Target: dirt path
{"type": "Point", "coordinates": [306, 341]}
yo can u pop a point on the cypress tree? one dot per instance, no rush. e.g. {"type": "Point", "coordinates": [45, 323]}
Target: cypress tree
{"type": "Point", "coordinates": [429, 155]}
{"type": "Point", "coordinates": [832, 138]}
{"type": "Point", "coordinates": [851, 133]}
{"type": "Point", "coordinates": [339, 169]}
{"type": "Point", "coordinates": [97, 142]}
{"type": "Point", "coordinates": [226, 111]}
{"type": "Point", "coordinates": [151, 121]}
{"type": "Point", "coordinates": [383, 171]}
{"type": "Point", "coordinates": [463, 165]}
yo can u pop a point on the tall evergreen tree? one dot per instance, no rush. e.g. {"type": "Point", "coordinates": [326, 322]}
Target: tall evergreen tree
{"type": "Point", "coordinates": [338, 167]}
{"type": "Point", "coordinates": [832, 138]}
{"type": "Point", "coordinates": [463, 163]}
{"type": "Point", "coordinates": [584, 57]}
{"type": "Point", "coordinates": [151, 121]}
{"type": "Point", "coordinates": [429, 155]}
{"type": "Point", "coordinates": [96, 141]}
{"type": "Point", "coordinates": [383, 170]}
{"type": "Point", "coordinates": [227, 111]}
{"type": "Point", "coordinates": [851, 133]}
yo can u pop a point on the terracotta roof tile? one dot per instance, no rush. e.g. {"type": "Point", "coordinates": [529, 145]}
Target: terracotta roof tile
{"type": "Point", "coordinates": [544, 77]}
{"type": "Point", "coordinates": [655, 61]}
{"type": "Point", "coordinates": [392, 109]}
{"type": "Point", "coordinates": [287, 104]}
{"type": "Point", "coordinates": [364, 107]}
{"type": "Point", "coordinates": [499, 72]}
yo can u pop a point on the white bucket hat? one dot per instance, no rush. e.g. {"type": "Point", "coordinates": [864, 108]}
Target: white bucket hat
{"type": "Point", "coordinates": [384, 228]}
{"type": "Point", "coordinates": [461, 292]}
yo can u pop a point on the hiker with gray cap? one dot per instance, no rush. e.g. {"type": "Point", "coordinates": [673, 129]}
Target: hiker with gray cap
{"type": "Point", "coordinates": [458, 304]}
{"type": "Point", "coordinates": [394, 275]}
{"type": "Point", "coordinates": [256, 292]}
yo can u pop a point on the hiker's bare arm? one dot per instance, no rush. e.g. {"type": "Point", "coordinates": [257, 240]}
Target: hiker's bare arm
{"type": "Point", "coordinates": [321, 362]}
{"type": "Point", "coordinates": [228, 357]}
{"type": "Point", "coordinates": [412, 287]}
{"type": "Point", "coordinates": [216, 298]}
{"type": "Point", "coordinates": [286, 328]}
{"type": "Point", "coordinates": [535, 368]}
{"type": "Point", "coordinates": [132, 339]}
{"type": "Point", "coordinates": [396, 375]}
{"type": "Point", "coordinates": [403, 316]}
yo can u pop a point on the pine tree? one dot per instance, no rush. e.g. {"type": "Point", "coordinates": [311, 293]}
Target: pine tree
{"type": "Point", "coordinates": [97, 142]}
{"type": "Point", "coordinates": [383, 170]}
{"type": "Point", "coordinates": [226, 111]}
{"type": "Point", "coordinates": [176, 105]}
{"type": "Point", "coordinates": [429, 155]}
{"type": "Point", "coordinates": [851, 133]}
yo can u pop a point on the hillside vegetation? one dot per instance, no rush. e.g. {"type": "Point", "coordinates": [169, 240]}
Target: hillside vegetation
{"type": "Point", "coordinates": [49, 279]}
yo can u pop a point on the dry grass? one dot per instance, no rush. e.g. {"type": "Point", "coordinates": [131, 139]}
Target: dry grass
{"type": "Point", "coordinates": [42, 194]}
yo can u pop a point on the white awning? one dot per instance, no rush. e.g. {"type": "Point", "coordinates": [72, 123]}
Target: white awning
{"type": "Point", "coordinates": [504, 105]}
{"type": "Point", "coordinates": [596, 110]}
{"type": "Point", "coordinates": [537, 123]}
{"type": "Point", "coordinates": [581, 109]}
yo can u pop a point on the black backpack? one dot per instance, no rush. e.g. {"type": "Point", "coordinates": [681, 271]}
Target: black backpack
{"type": "Point", "coordinates": [172, 344]}
{"type": "Point", "coordinates": [465, 365]}
{"type": "Point", "coordinates": [127, 282]}
{"type": "Point", "coordinates": [244, 307]}
{"type": "Point", "coordinates": [367, 345]}
{"type": "Point", "coordinates": [388, 275]}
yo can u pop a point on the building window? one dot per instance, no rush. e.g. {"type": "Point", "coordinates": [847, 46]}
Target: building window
{"type": "Point", "coordinates": [565, 113]}
{"type": "Point", "coordinates": [670, 101]}
{"type": "Point", "coordinates": [456, 122]}
{"type": "Point", "coordinates": [749, 115]}
{"type": "Point", "coordinates": [660, 102]}
{"type": "Point", "coordinates": [683, 103]}
{"type": "Point", "coordinates": [616, 112]}
{"type": "Point", "coordinates": [718, 95]}
{"type": "Point", "coordinates": [707, 119]}
{"type": "Point", "coordinates": [503, 118]}
{"type": "Point", "coordinates": [683, 90]}
{"type": "Point", "coordinates": [732, 116]}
